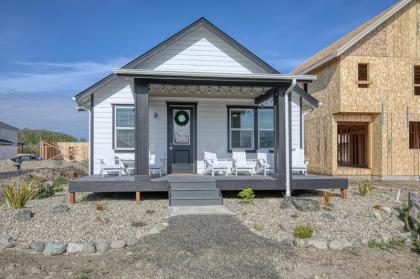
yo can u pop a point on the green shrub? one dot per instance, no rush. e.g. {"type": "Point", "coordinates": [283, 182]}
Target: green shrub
{"type": "Point", "coordinates": [45, 191]}
{"type": "Point", "coordinates": [17, 196]}
{"type": "Point", "coordinates": [303, 231]}
{"type": "Point", "coordinates": [258, 227]}
{"type": "Point", "coordinates": [247, 195]}
{"type": "Point", "coordinates": [58, 184]}
{"type": "Point", "coordinates": [365, 187]}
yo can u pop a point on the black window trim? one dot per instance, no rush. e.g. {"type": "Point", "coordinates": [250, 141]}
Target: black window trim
{"type": "Point", "coordinates": [256, 128]}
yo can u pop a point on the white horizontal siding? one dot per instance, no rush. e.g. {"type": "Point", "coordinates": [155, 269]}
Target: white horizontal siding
{"type": "Point", "coordinates": [211, 123]}
{"type": "Point", "coordinates": [201, 51]}
{"type": "Point", "coordinates": [296, 123]}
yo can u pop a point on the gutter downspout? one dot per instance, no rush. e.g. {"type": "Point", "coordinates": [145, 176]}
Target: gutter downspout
{"type": "Point", "coordinates": [287, 135]}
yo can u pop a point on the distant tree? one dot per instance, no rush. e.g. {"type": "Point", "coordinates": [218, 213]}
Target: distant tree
{"type": "Point", "coordinates": [31, 138]}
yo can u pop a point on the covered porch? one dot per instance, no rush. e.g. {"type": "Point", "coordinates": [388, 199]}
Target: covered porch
{"type": "Point", "coordinates": [199, 94]}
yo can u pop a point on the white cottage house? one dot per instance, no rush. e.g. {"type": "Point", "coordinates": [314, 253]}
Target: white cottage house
{"type": "Point", "coordinates": [199, 92]}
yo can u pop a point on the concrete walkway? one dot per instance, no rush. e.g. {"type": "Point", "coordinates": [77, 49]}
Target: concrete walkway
{"type": "Point", "coordinates": [200, 210]}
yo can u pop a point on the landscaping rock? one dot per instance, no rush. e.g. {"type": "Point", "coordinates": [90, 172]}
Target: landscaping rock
{"type": "Point", "coordinates": [287, 203]}
{"type": "Point", "coordinates": [306, 204]}
{"type": "Point", "coordinates": [7, 242]}
{"type": "Point", "coordinates": [328, 216]}
{"type": "Point", "coordinates": [118, 244]}
{"type": "Point", "coordinates": [61, 208]}
{"type": "Point", "coordinates": [74, 248]}
{"type": "Point", "coordinates": [24, 245]}
{"type": "Point", "coordinates": [56, 248]}
{"type": "Point", "coordinates": [24, 215]}
{"type": "Point", "coordinates": [102, 247]}
{"type": "Point", "coordinates": [89, 248]}
{"type": "Point", "coordinates": [397, 223]}
{"type": "Point", "coordinates": [376, 215]}
{"type": "Point", "coordinates": [339, 244]}
{"type": "Point", "coordinates": [131, 241]}
{"type": "Point", "coordinates": [301, 243]}
{"type": "Point", "coordinates": [318, 244]}
{"type": "Point", "coordinates": [37, 246]}
{"type": "Point", "coordinates": [287, 243]}
{"type": "Point", "coordinates": [364, 242]}
{"type": "Point", "coordinates": [355, 243]}
{"type": "Point", "coordinates": [287, 227]}
{"type": "Point", "coordinates": [387, 210]}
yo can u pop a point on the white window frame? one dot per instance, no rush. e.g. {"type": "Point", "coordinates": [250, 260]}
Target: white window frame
{"type": "Point", "coordinates": [241, 129]}
{"type": "Point", "coordinates": [116, 128]}
{"type": "Point", "coordinates": [261, 129]}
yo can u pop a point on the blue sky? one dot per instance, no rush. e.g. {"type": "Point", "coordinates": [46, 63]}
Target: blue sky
{"type": "Point", "coordinates": [51, 50]}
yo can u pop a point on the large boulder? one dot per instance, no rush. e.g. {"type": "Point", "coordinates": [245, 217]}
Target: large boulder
{"type": "Point", "coordinates": [56, 248]}
{"type": "Point", "coordinates": [89, 248]}
{"type": "Point", "coordinates": [74, 248]}
{"type": "Point", "coordinates": [306, 204]}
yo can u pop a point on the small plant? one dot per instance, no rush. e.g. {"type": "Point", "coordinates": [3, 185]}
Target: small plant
{"type": "Point", "coordinates": [85, 198]}
{"type": "Point", "coordinates": [150, 211]}
{"type": "Point", "coordinates": [244, 213]}
{"type": "Point", "coordinates": [99, 206]}
{"type": "Point", "coordinates": [247, 195]}
{"type": "Point", "coordinates": [17, 196]}
{"type": "Point", "coordinates": [258, 227]}
{"type": "Point", "coordinates": [44, 191]}
{"type": "Point", "coordinates": [418, 269]}
{"type": "Point", "coordinates": [58, 184]}
{"type": "Point", "coordinates": [365, 187]}
{"type": "Point", "coordinates": [416, 245]}
{"type": "Point", "coordinates": [387, 245]}
{"type": "Point", "coordinates": [138, 224]}
{"type": "Point", "coordinates": [303, 231]}
{"type": "Point", "coordinates": [326, 198]}
{"type": "Point", "coordinates": [294, 215]}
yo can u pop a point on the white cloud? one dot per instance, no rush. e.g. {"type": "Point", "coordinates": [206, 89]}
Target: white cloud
{"type": "Point", "coordinates": [52, 76]}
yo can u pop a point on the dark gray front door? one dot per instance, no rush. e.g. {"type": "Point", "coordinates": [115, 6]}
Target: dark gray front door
{"type": "Point", "coordinates": [180, 139]}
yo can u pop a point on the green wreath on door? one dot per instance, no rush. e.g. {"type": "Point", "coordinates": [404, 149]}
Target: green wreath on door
{"type": "Point", "coordinates": [179, 115]}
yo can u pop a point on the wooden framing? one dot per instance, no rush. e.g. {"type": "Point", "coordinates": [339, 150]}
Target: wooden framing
{"type": "Point", "coordinates": [67, 151]}
{"type": "Point", "coordinates": [352, 144]}
{"type": "Point", "coordinates": [138, 196]}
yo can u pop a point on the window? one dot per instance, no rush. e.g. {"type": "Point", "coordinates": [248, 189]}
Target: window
{"type": "Point", "coordinates": [416, 80]}
{"type": "Point", "coordinates": [414, 135]}
{"type": "Point", "coordinates": [251, 128]}
{"type": "Point", "coordinates": [265, 128]}
{"type": "Point", "coordinates": [363, 75]}
{"type": "Point", "coordinates": [352, 144]}
{"type": "Point", "coordinates": [305, 87]}
{"type": "Point", "coordinates": [124, 128]}
{"type": "Point", "coordinates": [242, 129]}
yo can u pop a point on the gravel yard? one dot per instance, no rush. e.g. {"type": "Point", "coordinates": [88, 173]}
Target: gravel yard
{"type": "Point", "coordinates": [345, 220]}
{"type": "Point", "coordinates": [120, 218]}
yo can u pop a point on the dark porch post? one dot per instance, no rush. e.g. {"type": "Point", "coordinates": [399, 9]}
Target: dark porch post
{"type": "Point", "coordinates": [141, 96]}
{"type": "Point", "coordinates": [280, 134]}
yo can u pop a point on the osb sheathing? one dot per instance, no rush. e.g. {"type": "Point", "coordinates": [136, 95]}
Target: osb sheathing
{"type": "Point", "coordinates": [391, 51]}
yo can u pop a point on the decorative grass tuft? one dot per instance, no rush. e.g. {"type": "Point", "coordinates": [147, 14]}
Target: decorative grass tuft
{"type": "Point", "coordinates": [18, 195]}
{"type": "Point", "coordinates": [303, 231]}
{"type": "Point", "coordinates": [247, 195]}
{"type": "Point", "coordinates": [365, 187]}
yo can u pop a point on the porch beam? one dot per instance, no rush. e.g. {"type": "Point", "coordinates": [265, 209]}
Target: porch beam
{"type": "Point", "coordinates": [269, 94]}
{"type": "Point", "coordinates": [141, 97]}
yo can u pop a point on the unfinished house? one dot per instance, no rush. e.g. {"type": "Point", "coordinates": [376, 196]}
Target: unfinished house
{"type": "Point", "coordinates": [368, 123]}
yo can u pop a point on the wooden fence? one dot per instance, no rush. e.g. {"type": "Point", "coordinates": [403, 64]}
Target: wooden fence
{"type": "Point", "coordinates": [67, 151]}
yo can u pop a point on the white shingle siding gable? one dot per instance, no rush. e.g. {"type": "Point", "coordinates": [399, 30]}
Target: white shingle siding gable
{"type": "Point", "coordinates": [201, 51]}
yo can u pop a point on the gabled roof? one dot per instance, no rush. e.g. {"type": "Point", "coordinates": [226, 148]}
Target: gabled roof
{"type": "Point", "coordinates": [7, 126]}
{"type": "Point", "coordinates": [200, 22]}
{"type": "Point", "coordinates": [339, 47]}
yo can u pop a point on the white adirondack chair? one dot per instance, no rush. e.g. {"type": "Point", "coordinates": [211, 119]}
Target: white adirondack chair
{"type": "Point", "coordinates": [241, 164]}
{"type": "Point", "coordinates": [111, 164]}
{"type": "Point", "coordinates": [265, 161]}
{"type": "Point", "coordinates": [157, 158]}
{"type": "Point", "coordinates": [299, 164]}
{"type": "Point", "coordinates": [215, 165]}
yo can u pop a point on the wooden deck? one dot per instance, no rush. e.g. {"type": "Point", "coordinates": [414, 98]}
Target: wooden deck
{"type": "Point", "coordinates": [96, 183]}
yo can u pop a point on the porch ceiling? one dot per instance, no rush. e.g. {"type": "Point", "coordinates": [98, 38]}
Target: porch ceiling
{"type": "Point", "coordinates": [245, 92]}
